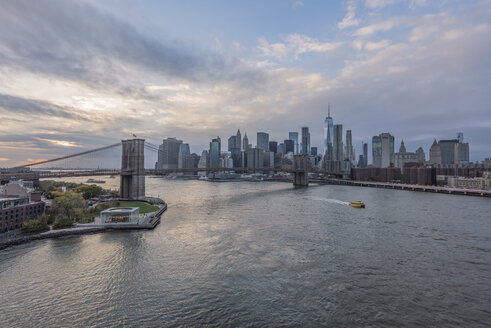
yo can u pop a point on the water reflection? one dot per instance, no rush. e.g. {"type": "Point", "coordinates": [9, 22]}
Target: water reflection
{"type": "Point", "coordinates": [264, 254]}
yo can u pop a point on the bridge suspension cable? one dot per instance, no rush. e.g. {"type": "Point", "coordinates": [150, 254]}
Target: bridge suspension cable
{"type": "Point", "coordinates": [67, 157]}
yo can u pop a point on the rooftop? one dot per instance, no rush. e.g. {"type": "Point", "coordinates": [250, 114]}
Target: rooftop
{"type": "Point", "coordinates": [114, 210]}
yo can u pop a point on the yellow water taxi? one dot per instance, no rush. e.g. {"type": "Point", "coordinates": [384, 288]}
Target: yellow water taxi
{"type": "Point", "coordinates": [357, 203]}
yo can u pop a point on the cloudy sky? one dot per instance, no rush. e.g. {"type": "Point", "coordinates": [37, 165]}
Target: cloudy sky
{"type": "Point", "coordinates": [77, 75]}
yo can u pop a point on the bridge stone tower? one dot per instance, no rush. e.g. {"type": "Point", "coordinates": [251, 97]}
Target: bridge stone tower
{"type": "Point", "coordinates": [301, 175]}
{"type": "Point", "coordinates": [132, 169]}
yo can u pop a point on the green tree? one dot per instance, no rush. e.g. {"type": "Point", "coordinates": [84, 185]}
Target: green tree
{"type": "Point", "coordinates": [36, 225]}
{"type": "Point", "coordinates": [89, 191]}
{"type": "Point", "coordinates": [69, 205]}
{"type": "Point", "coordinates": [62, 222]}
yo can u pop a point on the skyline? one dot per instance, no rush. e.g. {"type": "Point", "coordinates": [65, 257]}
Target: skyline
{"type": "Point", "coordinates": [417, 69]}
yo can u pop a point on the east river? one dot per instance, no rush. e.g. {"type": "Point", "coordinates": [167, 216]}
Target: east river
{"type": "Point", "coordinates": [264, 254]}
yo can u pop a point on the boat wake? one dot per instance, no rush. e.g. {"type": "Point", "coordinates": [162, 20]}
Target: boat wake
{"type": "Point", "coordinates": [330, 200]}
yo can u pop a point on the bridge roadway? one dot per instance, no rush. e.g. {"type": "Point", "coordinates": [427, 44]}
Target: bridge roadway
{"type": "Point", "coordinates": [85, 173]}
{"type": "Point", "coordinates": [387, 185]}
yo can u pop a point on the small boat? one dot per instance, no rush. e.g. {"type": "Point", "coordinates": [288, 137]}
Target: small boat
{"type": "Point", "coordinates": [95, 181]}
{"type": "Point", "coordinates": [357, 203]}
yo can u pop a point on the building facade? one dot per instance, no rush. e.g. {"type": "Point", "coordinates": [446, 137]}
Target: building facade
{"type": "Point", "coordinates": [435, 154]}
{"type": "Point", "coordinates": [294, 137]}
{"type": "Point", "coordinates": [232, 143]}
{"type": "Point", "coordinates": [168, 156]}
{"type": "Point", "coordinates": [402, 157]}
{"type": "Point", "coordinates": [214, 153]}
{"type": "Point", "coordinates": [263, 141]}
{"type": "Point", "coordinates": [245, 142]}
{"type": "Point", "coordinates": [328, 135]}
{"type": "Point", "coordinates": [349, 151]}
{"type": "Point", "coordinates": [238, 140]}
{"type": "Point", "coordinates": [305, 141]}
{"type": "Point", "coordinates": [15, 210]}
{"type": "Point", "coordinates": [337, 149]}
{"type": "Point", "coordinates": [383, 150]}
{"type": "Point", "coordinates": [183, 152]}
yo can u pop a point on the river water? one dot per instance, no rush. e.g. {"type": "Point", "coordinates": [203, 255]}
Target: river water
{"type": "Point", "coordinates": [264, 254]}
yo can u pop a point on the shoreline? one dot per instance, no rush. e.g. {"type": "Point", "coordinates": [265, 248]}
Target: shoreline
{"type": "Point", "coordinates": [78, 231]}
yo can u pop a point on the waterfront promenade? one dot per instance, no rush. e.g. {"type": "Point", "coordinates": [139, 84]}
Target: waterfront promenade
{"type": "Point", "coordinates": [150, 222]}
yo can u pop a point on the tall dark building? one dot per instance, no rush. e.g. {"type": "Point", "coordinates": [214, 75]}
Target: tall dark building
{"type": "Point", "coordinates": [313, 151]}
{"type": "Point", "coordinates": [238, 140]}
{"type": "Point", "coordinates": [365, 154]}
{"type": "Point", "coordinates": [169, 154]}
{"type": "Point", "coordinates": [236, 155]}
{"type": "Point", "coordinates": [328, 135]}
{"type": "Point", "coordinates": [245, 142]}
{"type": "Point", "coordinates": [263, 141]}
{"type": "Point", "coordinates": [305, 141]}
{"type": "Point", "coordinates": [337, 144]}
{"type": "Point", "coordinates": [214, 152]}
{"type": "Point", "coordinates": [273, 146]}
{"type": "Point", "coordinates": [289, 146]}
{"type": "Point", "coordinates": [447, 150]}
{"type": "Point", "coordinates": [255, 158]}
{"type": "Point", "coordinates": [232, 143]}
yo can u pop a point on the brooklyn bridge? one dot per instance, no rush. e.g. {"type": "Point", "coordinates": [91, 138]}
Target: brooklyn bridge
{"type": "Point", "coordinates": [133, 172]}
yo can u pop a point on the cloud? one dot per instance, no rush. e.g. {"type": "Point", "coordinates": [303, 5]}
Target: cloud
{"type": "Point", "coordinates": [18, 106]}
{"type": "Point", "coordinates": [62, 143]}
{"type": "Point", "coordinates": [72, 73]}
{"type": "Point", "coordinates": [74, 40]}
{"type": "Point", "coordinates": [294, 45]}
{"type": "Point", "coordinates": [370, 46]}
{"type": "Point", "coordinates": [297, 4]}
{"type": "Point", "coordinates": [378, 3]}
{"type": "Point", "coordinates": [349, 20]}
{"type": "Point", "coordinates": [416, 3]}
{"type": "Point", "coordinates": [384, 25]}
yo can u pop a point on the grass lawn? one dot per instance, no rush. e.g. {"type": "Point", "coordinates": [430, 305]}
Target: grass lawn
{"type": "Point", "coordinates": [144, 207]}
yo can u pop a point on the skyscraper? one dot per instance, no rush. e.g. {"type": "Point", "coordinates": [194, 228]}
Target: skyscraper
{"type": "Point", "coordinates": [294, 136]}
{"type": "Point", "coordinates": [183, 152]}
{"type": "Point", "coordinates": [169, 154]}
{"type": "Point", "coordinates": [435, 154]}
{"type": "Point", "coordinates": [204, 162]}
{"type": "Point", "coordinates": [232, 143]}
{"type": "Point", "coordinates": [349, 152]}
{"type": "Point", "coordinates": [245, 142]}
{"type": "Point", "coordinates": [214, 152]}
{"type": "Point", "coordinates": [328, 132]}
{"type": "Point", "coordinates": [263, 141]}
{"type": "Point", "coordinates": [273, 146]}
{"type": "Point", "coordinates": [305, 141]}
{"type": "Point", "coordinates": [255, 158]}
{"type": "Point", "coordinates": [420, 155]}
{"type": "Point", "coordinates": [238, 140]}
{"type": "Point", "coordinates": [289, 146]}
{"type": "Point", "coordinates": [383, 150]}
{"type": "Point", "coordinates": [365, 154]}
{"type": "Point", "coordinates": [447, 150]}
{"type": "Point", "coordinates": [337, 142]}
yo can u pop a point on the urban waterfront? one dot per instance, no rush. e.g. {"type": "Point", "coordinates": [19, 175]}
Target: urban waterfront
{"type": "Point", "coordinates": [264, 254]}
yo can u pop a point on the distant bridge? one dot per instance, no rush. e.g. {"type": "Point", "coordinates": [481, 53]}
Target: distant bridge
{"type": "Point", "coordinates": [133, 172]}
